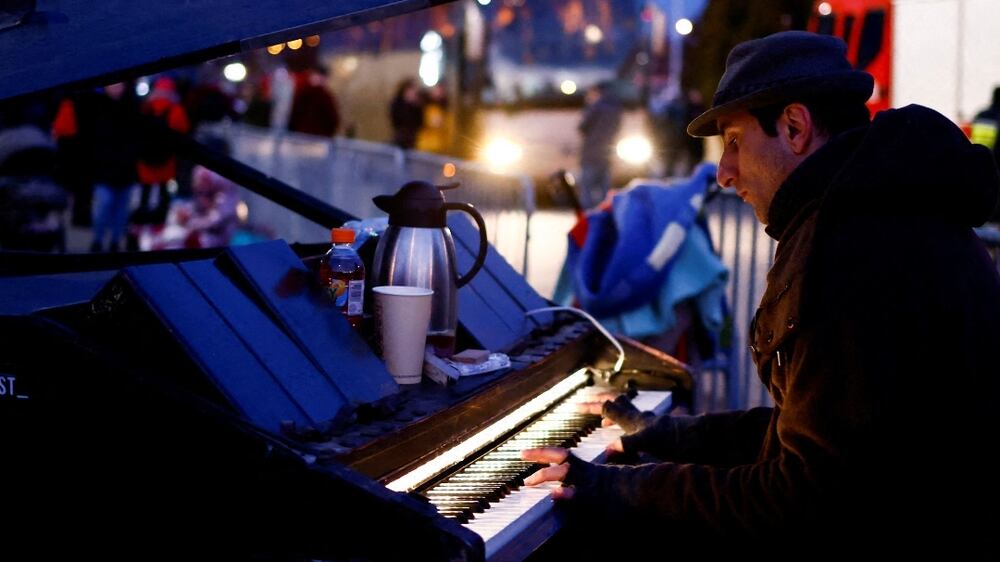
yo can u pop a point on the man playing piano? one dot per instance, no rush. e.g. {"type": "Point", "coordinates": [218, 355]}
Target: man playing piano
{"type": "Point", "coordinates": [876, 337]}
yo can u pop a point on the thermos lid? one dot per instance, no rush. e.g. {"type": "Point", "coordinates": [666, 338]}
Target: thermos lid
{"type": "Point", "coordinates": [418, 204]}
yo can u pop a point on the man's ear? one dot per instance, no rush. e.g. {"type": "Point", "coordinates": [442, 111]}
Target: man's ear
{"type": "Point", "coordinates": [797, 128]}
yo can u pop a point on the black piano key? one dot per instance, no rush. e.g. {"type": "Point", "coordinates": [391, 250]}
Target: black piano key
{"type": "Point", "coordinates": [466, 484]}
{"type": "Point", "coordinates": [548, 432]}
{"type": "Point", "coordinates": [482, 490]}
{"type": "Point", "coordinates": [447, 484]}
{"type": "Point", "coordinates": [471, 505]}
{"type": "Point", "coordinates": [466, 500]}
{"type": "Point", "coordinates": [495, 467]}
{"type": "Point", "coordinates": [493, 464]}
{"type": "Point", "coordinates": [460, 515]}
{"type": "Point", "coordinates": [485, 496]}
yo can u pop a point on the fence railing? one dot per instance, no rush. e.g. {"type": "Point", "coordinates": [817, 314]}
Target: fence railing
{"type": "Point", "coordinates": [730, 382]}
{"type": "Point", "coordinates": [347, 173]}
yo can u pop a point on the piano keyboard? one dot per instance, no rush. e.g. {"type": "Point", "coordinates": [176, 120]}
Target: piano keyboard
{"type": "Point", "coordinates": [487, 495]}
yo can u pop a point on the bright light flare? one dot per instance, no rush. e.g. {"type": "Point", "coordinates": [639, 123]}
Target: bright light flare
{"type": "Point", "coordinates": [634, 150]}
{"type": "Point", "coordinates": [684, 26]}
{"type": "Point", "coordinates": [242, 212]}
{"type": "Point", "coordinates": [568, 87]}
{"type": "Point", "coordinates": [593, 34]}
{"type": "Point", "coordinates": [501, 153]}
{"type": "Point", "coordinates": [275, 49]}
{"type": "Point", "coordinates": [430, 67]}
{"type": "Point", "coordinates": [294, 44]}
{"type": "Point", "coordinates": [824, 9]}
{"type": "Point", "coordinates": [431, 41]}
{"type": "Point", "coordinates": [235, 72]}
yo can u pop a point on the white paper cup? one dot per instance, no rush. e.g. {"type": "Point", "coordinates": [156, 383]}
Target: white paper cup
{"type": "Point", "coordinates": [402, 315]}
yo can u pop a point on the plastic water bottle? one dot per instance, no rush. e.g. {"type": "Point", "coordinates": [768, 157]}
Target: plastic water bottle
{"type": "Point", "coordinates": [342, 275]}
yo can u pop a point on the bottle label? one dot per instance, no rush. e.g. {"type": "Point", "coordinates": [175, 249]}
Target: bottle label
{"type": "Point", "coordinates": [355, 297]}
{"type": "Point", "coordinates": [338, 291]}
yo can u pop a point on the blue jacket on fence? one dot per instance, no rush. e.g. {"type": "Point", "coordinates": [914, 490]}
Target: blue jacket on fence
{"type": "Point", "coordinates": [644, 256]}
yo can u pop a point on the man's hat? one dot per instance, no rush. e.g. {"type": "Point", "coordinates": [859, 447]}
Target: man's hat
{"type": "Point", "coordinates": [782, 67]}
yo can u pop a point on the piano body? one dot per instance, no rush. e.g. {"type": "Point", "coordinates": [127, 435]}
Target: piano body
{"type": "Point", "coordinates": [202, 402]}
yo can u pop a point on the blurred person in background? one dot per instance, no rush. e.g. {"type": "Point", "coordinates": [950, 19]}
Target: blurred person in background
{"type": "Point", "coordinates": [602, 119]}
{"type": "Point", "coordinates": [257, 97]}
{"type": "Point", "coordinates": [406, 114]}
{"type": "Point", "coordinates": [434, 135]}
{"type": "Point", "coordinates": [104, 125]}
{"type": "Point", "coordinates": [282, 89]}
{"type": "Point", "coordinates": [314, 107]}
{"type": "Point", "coordinates": [157, 158]}
{"type": "Point", "coordinates": [208, 219]}
{"type": "Point", "coordinates": [207, 101]}
{"type": "Point", "coordinates": [32, 202]}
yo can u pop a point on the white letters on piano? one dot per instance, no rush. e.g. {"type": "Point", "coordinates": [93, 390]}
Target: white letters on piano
{"type": "Point", "coordinates": [7, 383]}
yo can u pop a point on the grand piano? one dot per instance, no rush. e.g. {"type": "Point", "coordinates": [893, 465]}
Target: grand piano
{"type": "Point", "coordinates": [205, 403]}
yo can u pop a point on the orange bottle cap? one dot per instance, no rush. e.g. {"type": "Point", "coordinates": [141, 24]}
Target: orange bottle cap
{"type": "Point", "coordinates": [342, 236]}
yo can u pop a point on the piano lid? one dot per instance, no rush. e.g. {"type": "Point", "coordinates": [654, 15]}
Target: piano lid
{"type": "Point", "coordinates": [52, 43]}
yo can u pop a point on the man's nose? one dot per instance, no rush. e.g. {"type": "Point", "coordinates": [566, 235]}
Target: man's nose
{"type": "Point", "coordinates": [726, 176]}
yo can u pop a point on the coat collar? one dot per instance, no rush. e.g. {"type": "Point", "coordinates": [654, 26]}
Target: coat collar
{"type": "Point", "coordinates": [810, 180]}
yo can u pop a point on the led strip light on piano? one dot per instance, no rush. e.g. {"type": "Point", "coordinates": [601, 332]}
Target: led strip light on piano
{"type": "Point", "coordinates": [459, 453]}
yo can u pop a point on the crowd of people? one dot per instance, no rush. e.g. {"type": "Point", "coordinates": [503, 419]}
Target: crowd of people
{"type": "Point", "coordinates": [114, 147]}
{"type": "Point", "coordinates": [106, 161]}
{"type": "Point", "coordinates": [118, 175]}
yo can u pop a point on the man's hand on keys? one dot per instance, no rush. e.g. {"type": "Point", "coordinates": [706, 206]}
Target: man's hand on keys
{"type": "Point", "coordinates": [556, 456]}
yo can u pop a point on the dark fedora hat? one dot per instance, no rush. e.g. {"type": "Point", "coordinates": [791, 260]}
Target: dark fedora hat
{"type": "Point", "coordinates": [779, 68]}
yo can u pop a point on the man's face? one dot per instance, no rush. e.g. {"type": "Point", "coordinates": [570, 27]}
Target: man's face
{"type": "Point", "coordinates": [753, 163]}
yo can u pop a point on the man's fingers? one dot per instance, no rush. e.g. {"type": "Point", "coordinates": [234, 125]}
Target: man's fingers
{"type": "Point", "coordinates": [590, 407]}
{"type": "Point", "coordinates": [607, 422]}
{"type": "Point", "coordinates": [605, 396]}
{"type": "Point", "coordinates": [616, 447]}
{"type": "Point", "coordinates": [563, 493]}
{"type": "Point", "coordinates": [595, 403]}
{"type": "Point", "coordinates": [545, 454]}
{"type": "Point", "coordinates": [548, 474]}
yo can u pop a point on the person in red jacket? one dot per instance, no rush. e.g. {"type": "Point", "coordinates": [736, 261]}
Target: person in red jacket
{"type": "Point", "coordinates": [157, 162]}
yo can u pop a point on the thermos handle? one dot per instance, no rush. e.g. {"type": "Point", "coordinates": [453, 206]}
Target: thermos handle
{"type": "Point", "coordinates": [481, 258]}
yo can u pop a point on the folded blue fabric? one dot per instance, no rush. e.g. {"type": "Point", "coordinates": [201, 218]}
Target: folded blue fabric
{"type": "Point", "coordinates": [630, 274]}
{"type": "Point", "coordinates": [630, 251]}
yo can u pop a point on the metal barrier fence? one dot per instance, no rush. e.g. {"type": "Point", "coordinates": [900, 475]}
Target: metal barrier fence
{"type": "Point", "coordinates": [347, 173]}
{"type": "Point", "coordinates": [730, 380]}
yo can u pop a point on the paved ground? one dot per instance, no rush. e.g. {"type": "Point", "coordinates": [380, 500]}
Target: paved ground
{"type": "Point", "coordinates": [78, 239]}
